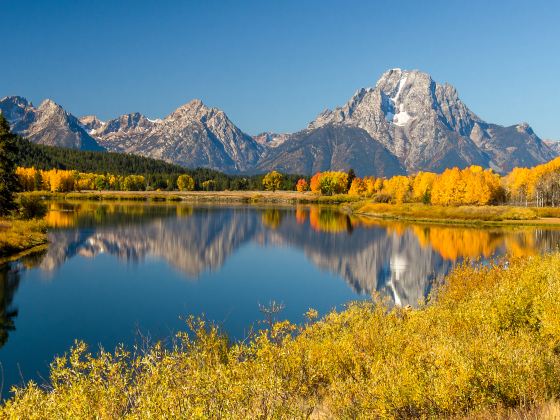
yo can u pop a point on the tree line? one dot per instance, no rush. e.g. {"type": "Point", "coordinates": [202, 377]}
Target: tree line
{"type": "Point", "coordinates": [158, 174]}
{"type": "Point", "coordinates": [474, 185]}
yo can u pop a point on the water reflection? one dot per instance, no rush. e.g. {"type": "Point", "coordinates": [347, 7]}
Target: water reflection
{"type": "Point", "coordinates": [398, 260]}
{"type": "Point", "coordinates": [9, 282]}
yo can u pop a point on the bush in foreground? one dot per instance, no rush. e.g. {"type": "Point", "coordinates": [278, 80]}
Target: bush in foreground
{"type": "Point", "coordinates": [489, 339]}
{"type": "Point", "coordinates": [20, 235]}
{"type": "Point", "coordinates": [32, 206]}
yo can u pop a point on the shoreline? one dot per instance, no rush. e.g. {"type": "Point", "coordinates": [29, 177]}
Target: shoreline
{"type": "Point", "coordinates": [474, 216]}
{"type": "Point", "coordinates": [21, 237]}
{"type": "Point", "coordinates": [289, 197]}
{"type": "Point", "coordinates": [540, 222]}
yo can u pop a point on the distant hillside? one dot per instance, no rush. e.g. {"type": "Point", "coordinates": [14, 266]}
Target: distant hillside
{"type": "Point", "coordinates": [158, 173]}
{"type": "Point", "coordinates": [51, 157]}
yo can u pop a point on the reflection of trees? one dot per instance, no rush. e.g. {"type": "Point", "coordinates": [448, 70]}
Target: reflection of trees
{"type": "Point", "coordinates": [272, 218]}
{"type": "Point", "coordinates": [329, 220]}
{"type": "Point", "coordinates": [9, 282]}
{"type": "Point", "coordinates": [454, 243]}
{"type": "Point", "coordinates": [63, 214]}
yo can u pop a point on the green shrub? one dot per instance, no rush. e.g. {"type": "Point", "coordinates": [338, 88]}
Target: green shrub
{"type": "Point", "coordinates": [32, 207]}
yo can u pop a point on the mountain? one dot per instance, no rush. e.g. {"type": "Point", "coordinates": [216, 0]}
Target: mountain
{"type": "Point", "coordinates": [91, 122]}
{"type": "Point", "coordinates": [406, 123]}
{"type": "Point", "coordinates": [194, 135]}
{"type": "Point", "coordinates": [48, 124]}
{"type": "Point", "coordinates": [269, 139]}
{"type": "Point", "coordinates": [428, 127]}
{"type": "Point", "coordinates": [554, 145]}
{"type": "Point", "coordinates": [331, 147]}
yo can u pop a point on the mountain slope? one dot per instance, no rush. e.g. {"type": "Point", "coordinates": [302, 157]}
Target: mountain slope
{"type": "Point", "coordinates": [49, 124]}
{"type": "Point", "coordinates": [554, 145]}
{"type": "Point", "coordinates": [194, 135]}
{"type": "Point", "coordinates": [428, 127]}
{"type": "Point", "coordinates": [332, 147]}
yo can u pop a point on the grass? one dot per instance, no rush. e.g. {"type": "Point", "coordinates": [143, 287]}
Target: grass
{"type": "Point", "coordinates": [461, 215]}
{"type": "Point", "coordinates": [17, 236]}
{"type": "Point", "coordinates": [547, 410]}
{"type": "Point", "coordinates": [486, 344]}
{"type": "Point", "coordinates": [284, 197]}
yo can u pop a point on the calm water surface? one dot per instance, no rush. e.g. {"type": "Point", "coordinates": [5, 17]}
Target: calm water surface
{"type": "Point", "coordinates": [116, 272]}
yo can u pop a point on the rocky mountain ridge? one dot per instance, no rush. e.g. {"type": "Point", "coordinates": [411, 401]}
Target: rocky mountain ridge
{"type": "Point", "coordinates": [47, 124]}
{"type": "Point", "coordinates": [428, 127]}
{"type": "Point", "coordinates": [407, 122]}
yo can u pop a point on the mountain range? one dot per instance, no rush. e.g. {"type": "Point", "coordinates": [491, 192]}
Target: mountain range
{"type": "Point", "coordinates": [406, 123]}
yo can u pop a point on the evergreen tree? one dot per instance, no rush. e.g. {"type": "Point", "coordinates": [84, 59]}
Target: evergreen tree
{"type": "Point", "coordinates": [351, 176]}
{"type": "Point", "coordinates": [8, 180]}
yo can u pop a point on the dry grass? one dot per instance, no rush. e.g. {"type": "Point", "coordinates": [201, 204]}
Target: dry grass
{"type": "Point", "coordinates": [549, 410]}
{"type": "Point", "coordinates": [20, 235]}
{"type": "Point", "coordinates": [461, 214]}
{"type": "Point", "coordinates": [203, 196]}
{"type": "Point", "coordinates": [548, 211]}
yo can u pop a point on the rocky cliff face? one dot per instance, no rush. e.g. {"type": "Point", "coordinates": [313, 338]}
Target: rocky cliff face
{"type": "Point", "coordinates": [428, 127]}
{"type": "Point", "coordinates": [554, 145]}
{"type": "Point", "coordinates": [332, 147]}
{"type": "Point", "coordinates": [269, 139]}
{"type": "Point", "coordinates": [194, 135]}
{"type": "Point", "coordinates": [47, 124]}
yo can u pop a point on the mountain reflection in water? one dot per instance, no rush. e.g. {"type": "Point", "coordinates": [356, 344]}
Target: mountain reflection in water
{"type": "Point", "coordinates": [396, 259]}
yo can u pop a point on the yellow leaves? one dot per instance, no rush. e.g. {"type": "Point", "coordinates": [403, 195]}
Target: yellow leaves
{"type": "Point", "coordinates": [272, 181]}
{"type": "Point", "coordinates": [470, 186]}
{"type": "Point", "coordinates": [185, 183]}
{"type": "Point", "coordinates": [357, 188]}
{"type": "Point", "coordinates": [56, 180]}
{"type": "Point", "coordinates": [540, 183]}
{"type": "Point", "coordinates": [29, 178]}
{"type": "Point", "coordinates": [301, 185]}
{"type": "Point", "coordinates": [422, 186]}
{"type": "Point", "coordinates": [398, 187]}
{"type": "Point", "coordinates": [134, 183]}
{"type": "Point", "coordinates": [329, 182]}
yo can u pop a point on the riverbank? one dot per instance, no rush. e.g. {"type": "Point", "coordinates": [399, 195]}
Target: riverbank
{"type": "Point", "coordinates": [461, 215]}
{"type": "Point", "coordinates": [20, 236]}
{"type": "Point", "coordinates": [413, 212]}
{"type": "Point", "coordinates": [284, 197]}
{"type": "Point", "coordinates": [486, 342]}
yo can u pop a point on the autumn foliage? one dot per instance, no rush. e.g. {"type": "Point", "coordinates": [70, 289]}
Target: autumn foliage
{"type": "Point", "coordinates": [57, 180]}
{"type": "Point", "coordinates": [302, 185]}
{"type": "Point", "coordinates": [539, 185]}
{"type": "Point", "coordinates": [272, 181]}
{"type": "Point", "coordinates": [470, 186]}
{"type": "Point", "coordinates": [329, 182]}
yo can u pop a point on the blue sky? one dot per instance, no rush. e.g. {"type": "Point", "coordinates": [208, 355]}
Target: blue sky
{"type": "Point", "coordinates": [274, 65]}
